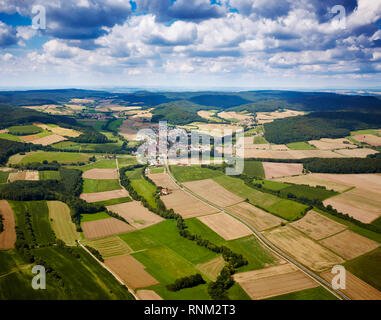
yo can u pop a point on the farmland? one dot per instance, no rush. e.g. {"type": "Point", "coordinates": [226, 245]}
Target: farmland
{"type": "Point", "coordinates": [104, 227]}
{"type": "Point", "coordinates": [109, 247]}
{"type": "Point", "coordinates": [193, 173]}
{"type": "Point", "coordinates": [8, 235]}
{"type": "Point", "coordinates": [49, 175]}
{"type": "Point", "coordinates": [61, 157]}
{"type": "Point", "coordinates": [276, 170]}
{"type": "Point", "coordinates": [93, 186]}
{"type": "Point", "coordinates": [254, 169]}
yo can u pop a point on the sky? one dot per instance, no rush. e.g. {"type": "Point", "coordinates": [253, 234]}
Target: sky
{"type": "Point", "coordinates": [190, 44]}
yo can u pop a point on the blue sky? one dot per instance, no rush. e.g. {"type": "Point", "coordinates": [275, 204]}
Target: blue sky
{"type": "Point", "coordinates": [195, 44]}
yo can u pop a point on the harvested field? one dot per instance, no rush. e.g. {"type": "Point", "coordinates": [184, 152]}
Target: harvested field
{"type": "Point", "coordinates": [109, 247]}
{"type": "Point", "coordinates": [148, 295]}
{"type": "Point", "coordinates": [332, 144]}
{"type": "Point", "coordinates": [350, 245]}
{"type": "Point", "coordinates": [361, 204]}
{"type": "Point", "coordinates": [8, 236]}
{"type": "Point", "coordinates": [101, 174]}
{"type": "Point", "coordinates": [368, 138]}
{"type": "Point", "coordinates": [356, 289]}
{"type": "Point", "coordinates": [130, 128]}
{"type": "Point", "coordinates": [186, 205]}
{"type": "Point", "coordinates": [260, 219]}
{"type": "Point", "coordinates": [48, 140]}
{"type": "Point", "coordinates": [317, 226]}
{"type": "Point", "coordinates": [213, 192]}
{"type": "Point", "coordinates": [29, 138]}
{"type": "Point", "coordinates": [60, 220]}
{"type": "Point", "coordinates": [279, 147]}
{"type": "Point", "coordinates": [226, 226]}
{"type": "Point", "coordinates": [106, 195]}
{"type": "Point", "coordinates": [234, 115]}
{"type": "Point", "coordinates": [212, 268]}
{"type": "Point", "coordinates": [273, 281]}
{"type": "Point", "coordinates": [23, 175]}
{"type": "Point", "coordinates": [265, 117]}
{"type": "Point", "coordinates": [276, 170]}
{"type": "Point", "coordinates": [356, 153]}
{"type": "Point", "coordinates": [60, 131]}
{"type": "Point", "coordinates": [304, 249]}
{"type": "Point", "coordinates": [208, 115]}
{"type": "Point", "coordinates": [137, 215]}
{"type": "Point", "coordinates": [163, 180]}
{"type": "Point", "coordinates": [104, 228]}
{"type": "Point", "coordinates": [131, 272]}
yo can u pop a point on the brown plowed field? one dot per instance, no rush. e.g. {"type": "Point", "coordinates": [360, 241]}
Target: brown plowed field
{"type": "Point", "coordinates": [317, 226]}
{"type": "Point", "coordinates": [226, 226]}
{"type": "Point", "coordinates": [349, 244]}
{"type": "Point", "coordinates": [8, 236]}
{"type": "Point", "coordinates": [101, 174]}
{"type": "Point", "coordinates": [260, 219]}
{"type": "Point", "coordinates": [369, 139]}
{"type": "Point", "coordinates": [148, 295]}
{"type": "Point", "coordinates": [131, 272]}
{"type": "Point", "coordinates": [163, 180]}
{"type": "Point", "coordinates": [23, 175]}
{"type": "Point", "coordinates": [213, 192]}
{"type": "Point", "coordinates": [356, 289]}
{"type": "Point", "coordinates": [104, 228]}
{"type": "Point", "coordinates": [136, 214]}
{"type": "Point", "coordinates": [186, 205]}
{"type": "Point", "coordinates": [276, 170]}
{"type": "Point", "coordinates": [48, 140]}
{"type": "Point", "coordinates": [103, 196]}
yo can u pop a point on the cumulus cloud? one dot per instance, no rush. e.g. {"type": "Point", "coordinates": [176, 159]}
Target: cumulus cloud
{"type": "Point", "coordinates": [8, 35]}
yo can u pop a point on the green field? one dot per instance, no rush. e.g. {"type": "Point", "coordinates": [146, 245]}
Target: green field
{"type": "Point", "coordinates": [287, 209]}
{"type": "Point", "coordinates": [184, 174]}
{"type": "Point", "coordinates": [24, 130]}
{"type": "Point", "coordinates": [95, 147]}
{"type": "Point", "coordinates": [368, 131]}
{"type": "Point", "coordinates": [318, 293]}
{"type": "Point", "coordinates": [311, 193]}
{"type": "Point", "coordinates": [254, 169]}
{"type": "Point", "coordinates": [273, 185]}
{"type": "Point", "coordinates": [143, 188]}
{"type": "Point", "coordinates": [367, 267]}
{"type": "Point", "coordinates": [260, 140]}
{"type": "Point", "coordinates": [167, 256]}
{"type": "Point", "coordinates": [126, 161]}
{"type": "Point", "coordinates": [94, 216]}
{"type": "Point", "coordinates": [300, 146]}
{"type": "Point", "coordinates": [40, 223]}
{"type": "Point", "coordinates": [11, 137]}
{"type": "Point", "coordinates": [156, 170]}
{"type": "Point", "coordinates": [92, 185]}
{"type": "Point", "coordinates": [114, 125]}
{"type": "Point", "coordinates": [134, 174]}
{"type": "Point", "coordinates": [100, 164]}
{"type": "Point", "coordinates": [3, 176]}
{"type": "Point", "coordinates": [96, 124]}
{"type": "Point", "coordinates": [114, 201]}
{"type": "Point", "coordinates": [49, 175]}
{"type": "Point", "coordinates": [61, 157]}
{"type": "Point", "coordinates": [60, 220]}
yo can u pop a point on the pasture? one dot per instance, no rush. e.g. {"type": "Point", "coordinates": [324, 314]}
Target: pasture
{"type": "Point", "coordinates": [114, 201]}
{"type": "Point", "coordinates": [24, 130]}
{"type": "Point", "coordinates": [300, 146]}
{"type": "Point", "coordinates": [60, 220]}
{"type": "Point", "coordinates": [61, 157]}
{"type": "Point", "coordinates": [193, 173]}
{"type": "Point", "coordinates": [99, 164]}
{"type": "Point", "coordinates": [49, 175]}
{"type": "Point", "coordinates": [94, 216]}
{"type": "Point", "coordinates": [4, 176]}
{"type": "Point", "coordinates": [93, 186]}
{"type": "Point", "coordinates": [254, 169]}
{"type": "Point", "coordinates": [304, 249]}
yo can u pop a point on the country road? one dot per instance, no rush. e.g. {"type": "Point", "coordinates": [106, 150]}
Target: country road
{"type": "Point", "coordinates": [264, 241]}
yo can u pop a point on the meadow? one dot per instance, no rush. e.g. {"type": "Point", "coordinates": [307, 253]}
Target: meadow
{"type": "Point", "coordinates": [113, 201]}
{"type": "Point", "coordinates": [94, 216]}
{"type": "Point", "coordinates": [24, 130]}
{"type": "Point", "coordinates": [300, 146]}
{"type": "Point", "coordinates": [92, 185]}
{"type": "Point", "coordinates": [49, 175]}
{"type": "Point", "coordinates": [3, 176]}
{"type": "Point", "coordinates": [254, 169]}
{"type": "Point", "coordinates": [318, 293]}
{"type": "Point", "coordinates": [61, 157]}
{"type": "Point", "coordinates": [185, 174]}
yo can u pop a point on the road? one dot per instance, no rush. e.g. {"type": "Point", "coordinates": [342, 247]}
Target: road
{"type": "Point", "coordinates": [264, 241]}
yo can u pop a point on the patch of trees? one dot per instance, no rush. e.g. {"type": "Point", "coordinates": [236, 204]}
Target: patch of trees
{"type": "Point", "coordinates": [175, 114]}
{"type": "Point", "coordinates": [95, 253]}
{"type": "Point", "coordinates": [343, 165]}
{"type": "Point", "coordinates": [9, 148]}
{"type": "Point", "coordinates": [71, 181]}
{"type": "Point", "coordinates": [90, 135]}
{"type": "Point", "coordinates": [186, 282]}
{"type": "Point", "coordinates": [38, 166]}
{"type": "Point", "coordinates": [318, 125]}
